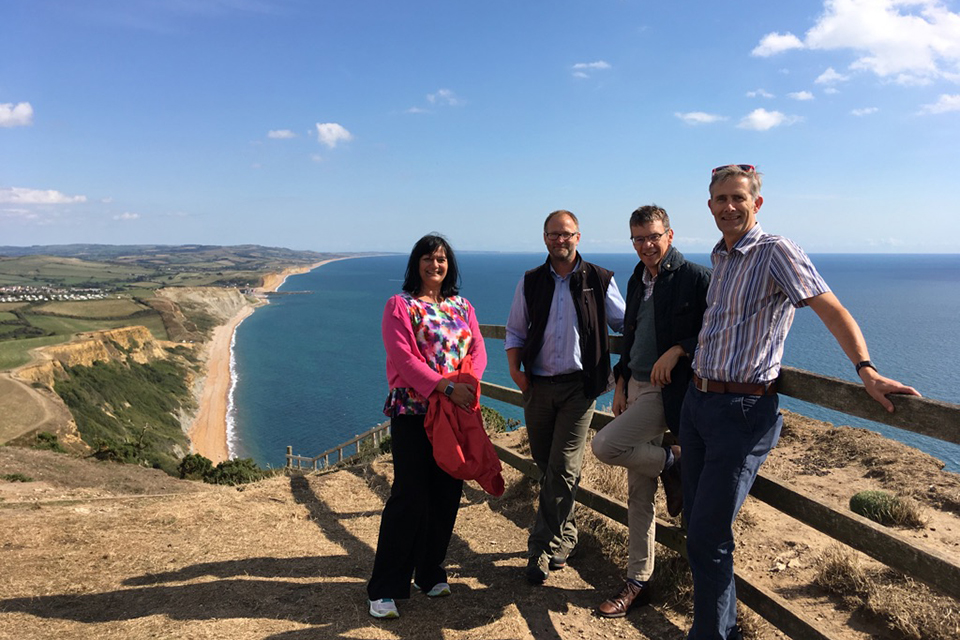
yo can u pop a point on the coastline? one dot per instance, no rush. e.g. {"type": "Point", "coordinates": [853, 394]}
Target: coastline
{"type": "Point", "coordinates": [209, 431]}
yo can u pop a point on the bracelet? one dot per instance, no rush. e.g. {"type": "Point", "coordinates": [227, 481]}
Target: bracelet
{"type": "Point", "coordinates": [865, 363]}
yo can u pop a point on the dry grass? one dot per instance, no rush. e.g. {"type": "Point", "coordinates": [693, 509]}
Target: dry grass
{"type": "Point", "coordinates": [907, 607]}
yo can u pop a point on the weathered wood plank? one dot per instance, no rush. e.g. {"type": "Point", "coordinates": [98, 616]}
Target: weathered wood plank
{"type": "Point", "coordinates": [932, 418]}
{"type": "Point", "coordinates": [777, 611]}
{"type": "Point", "coordinates": [928, 565]}
{"type": "Point", "coordinates": [766, 603]}
{"type": "Point", "coordinates": [514, 397]}
{"type": "Point", "coordinates": [920, 415]}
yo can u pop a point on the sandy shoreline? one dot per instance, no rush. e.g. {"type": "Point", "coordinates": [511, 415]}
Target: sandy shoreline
{"type": "Point", "coordinates": [208, 434]}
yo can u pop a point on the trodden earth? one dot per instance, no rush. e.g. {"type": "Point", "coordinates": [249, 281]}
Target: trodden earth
{"type": "Point", "coordinates": [100, 550]}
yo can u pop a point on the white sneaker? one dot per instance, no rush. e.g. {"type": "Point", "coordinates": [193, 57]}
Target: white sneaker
{"type": "Point", "coordinates": [384, 608]}
{"type": "Point", "coordinates": [439, 590]}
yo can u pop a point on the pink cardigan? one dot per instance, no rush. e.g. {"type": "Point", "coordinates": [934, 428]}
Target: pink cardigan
{"type": "Point", "coordinates": [406, 366]}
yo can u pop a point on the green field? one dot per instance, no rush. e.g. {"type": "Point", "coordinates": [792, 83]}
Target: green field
{"type": "Point", "coordinates": [104, 308]}
{"type": "Point", "coordinates": [6, 315]}
{"type": "Point", "coordinates": [14, 353]}
{"type": "Point", "coordinates": [51, 270]}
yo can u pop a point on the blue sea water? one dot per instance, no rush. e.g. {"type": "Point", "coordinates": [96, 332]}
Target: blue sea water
{"type": "Point", "coordinates": [310, 369]}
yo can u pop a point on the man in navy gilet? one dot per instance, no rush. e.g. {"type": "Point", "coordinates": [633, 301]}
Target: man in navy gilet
{"type": "Point", "coordinates": [559, 357]}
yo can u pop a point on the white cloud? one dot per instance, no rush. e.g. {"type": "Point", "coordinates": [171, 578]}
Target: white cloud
{"type": "Point", "coordinates": [584, 69]}
{"type": "Point", "coordinates": [945, 104]}
{"type": "Point", "coordinates": [20, 195]}
{"type": "Point", "coordinates": [759, 93]}
{"type": "Point", "coordinates": [281, 134]}
{"type": "Point", "coordinates": [417, 110]}
{"type": "Point", "coordinates": [330, 133]}
{"type": "Point", "coordinates": [864, 112]}
{"type": "Point", "coordinates": [16, 115]}
{"type": "Point", "coordinates": [445, 97]}
{"type": "Point", "coordinates": [774, 43]}
{"type": "Point", "coordinates": [762, 120]}
{"type": "Point", "coordinates": [801, 95]}
{"type": "Point", "coordinates": [906, 40]}
{"type": "Point", "coordinates": [831, 90]}
{"type": "Point", "coordinates": [316, 157]}
{"type": "Point", "coordinates": [127, 216]}
{"type": "Point", "coordinates": [699, 117]}
{"type": "Point", "coordinates": [830, 76]}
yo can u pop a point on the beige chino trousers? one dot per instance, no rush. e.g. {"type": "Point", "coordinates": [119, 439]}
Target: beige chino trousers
{"type": "Point", "coordinates": [632, 440]}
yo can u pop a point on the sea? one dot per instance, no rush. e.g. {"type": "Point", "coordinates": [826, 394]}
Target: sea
{"type": "Point", "coordinates": [309, 368]}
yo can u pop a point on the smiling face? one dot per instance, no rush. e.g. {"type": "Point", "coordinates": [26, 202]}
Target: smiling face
{"type": "Point", "coordinates": [433, 269]}
{"type": "Point", "coordinates": [651, 253]}
{"type": "Point", "coordinates": [734, 208]}
{"type": "Point", "coordinates": [561, 250]}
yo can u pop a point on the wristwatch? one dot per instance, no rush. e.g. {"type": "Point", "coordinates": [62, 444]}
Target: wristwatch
{"type": "Point", "coordinates": [449, 390]}
{"type": "Point", "coordinates": [865, 363]}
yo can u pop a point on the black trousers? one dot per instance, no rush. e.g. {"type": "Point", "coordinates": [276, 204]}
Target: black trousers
{"type": "Point", "coordinates": [417, 521]}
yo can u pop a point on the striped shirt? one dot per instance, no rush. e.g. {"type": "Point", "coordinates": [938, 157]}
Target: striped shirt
{"type": "Point", "coordinates": [750, 305]}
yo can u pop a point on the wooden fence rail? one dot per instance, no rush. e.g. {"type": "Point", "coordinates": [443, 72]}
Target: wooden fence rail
{"type": "Point", "coordinates": [920, 415]}
{"type": "Point", "coordinates": [375, 436]}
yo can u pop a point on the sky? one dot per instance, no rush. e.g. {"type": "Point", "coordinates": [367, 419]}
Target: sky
{"type": "Point", "coordinates": [362, 125]}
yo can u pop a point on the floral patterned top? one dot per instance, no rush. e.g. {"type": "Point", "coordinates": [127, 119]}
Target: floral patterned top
{"type": "Point", "coordinates": [443, 336]}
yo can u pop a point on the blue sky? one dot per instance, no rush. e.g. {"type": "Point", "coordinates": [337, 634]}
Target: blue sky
{"type": "Point", "coordinates": [360, 126]}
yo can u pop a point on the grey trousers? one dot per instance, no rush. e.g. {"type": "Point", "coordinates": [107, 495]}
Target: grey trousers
{"type": "Point", "coordinates": [632, 440]}
{"type": "Point", "coordinates": [558, 416]}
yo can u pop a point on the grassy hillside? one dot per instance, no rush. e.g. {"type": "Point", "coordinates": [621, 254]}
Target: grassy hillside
{"type": "Point", "coordinates": [128, 412]}
{"type": "Point", "coordinates": [48, 294]}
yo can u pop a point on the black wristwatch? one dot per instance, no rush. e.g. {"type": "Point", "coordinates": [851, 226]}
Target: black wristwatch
{"type": "Point", "coordinates": [449, 390]}
{"type": "Point", "coordinates": [865, 363]}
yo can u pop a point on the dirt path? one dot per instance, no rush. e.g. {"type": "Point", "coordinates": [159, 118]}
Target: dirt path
{"type": "Point", "coordinates": [111, 551]}
{"type": "Point", "coordinates": [23, 410]}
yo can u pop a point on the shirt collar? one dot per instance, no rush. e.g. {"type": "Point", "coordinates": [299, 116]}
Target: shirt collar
{"type": "Point", "coordinates": [749, 240]}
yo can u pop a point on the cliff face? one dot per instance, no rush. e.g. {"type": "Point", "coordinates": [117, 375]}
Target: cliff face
{"type": "Point", "coordinates": [222, 304]}
{"type": "Point", "coordinates": [128, 343]}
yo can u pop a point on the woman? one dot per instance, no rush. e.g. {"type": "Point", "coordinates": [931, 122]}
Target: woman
{"type": "Point", "coordinates": [427, 330]}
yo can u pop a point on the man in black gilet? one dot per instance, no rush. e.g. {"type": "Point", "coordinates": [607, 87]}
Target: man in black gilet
{"type": "Point", "coordinates": [559, 357]}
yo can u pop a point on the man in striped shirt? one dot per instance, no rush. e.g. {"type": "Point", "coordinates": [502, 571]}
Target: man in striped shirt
{"type": "Point", "coordinates": [730, 418]}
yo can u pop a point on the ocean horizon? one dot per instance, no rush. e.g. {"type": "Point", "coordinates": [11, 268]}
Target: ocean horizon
{"type": "Point", "coordinates": [308, 370]}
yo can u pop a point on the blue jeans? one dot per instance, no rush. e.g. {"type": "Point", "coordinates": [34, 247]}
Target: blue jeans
{"type": "Point", "coordinates": [725, 437]}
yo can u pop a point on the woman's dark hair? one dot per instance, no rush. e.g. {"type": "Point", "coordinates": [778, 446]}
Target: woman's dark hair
{"type": "Point", "coordinates": [426, 246]}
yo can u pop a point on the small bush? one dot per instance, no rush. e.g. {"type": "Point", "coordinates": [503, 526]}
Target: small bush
{"type": "Point", "coordinates": [195, 467]}
{"type": "Point", "coordinates": [236, 471]}
{"type": "Point", "coordinates": [887, 509]}
{"type": "Point", "coordinates": [494, 422]}
{"type": "Point", "coordinates": [16, 477]}
{"type": "Point", "coordinates": [48, 441]}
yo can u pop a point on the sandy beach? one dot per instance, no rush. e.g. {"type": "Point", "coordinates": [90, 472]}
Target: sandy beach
{"type": "Point", "coordinates": [208, 434]}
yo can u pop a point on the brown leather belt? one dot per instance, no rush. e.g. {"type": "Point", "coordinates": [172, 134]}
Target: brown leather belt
{"type": "Point", "coordinates": [743, 388]}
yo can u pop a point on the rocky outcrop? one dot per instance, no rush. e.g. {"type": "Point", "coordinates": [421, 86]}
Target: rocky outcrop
{"type": "Point", "coordinates": [222, 304]}
{"type": "Point", "coordinates": [135, 344]}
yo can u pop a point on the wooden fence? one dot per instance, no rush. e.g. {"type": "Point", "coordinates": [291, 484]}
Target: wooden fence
{"type": "Point", "coordinates": [920, 415]}
{"type": "Point", "coordinates": [371, 438]}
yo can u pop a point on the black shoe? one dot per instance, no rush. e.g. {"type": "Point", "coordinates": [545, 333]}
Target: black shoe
{"type": "Point", "coordinates": [538, 569]}
{"type": "Point", "coordinates": [558, 560]}
{"type": "Point", "coordinates": [673, 488]}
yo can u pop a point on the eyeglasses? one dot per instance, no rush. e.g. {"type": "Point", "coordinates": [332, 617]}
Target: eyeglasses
{"type": "Point", "coordinates": [553, 235]}
{"type": "Point", "coordinates": [653, 237]}
{"type": "Point", "coordinates": [749, 168]}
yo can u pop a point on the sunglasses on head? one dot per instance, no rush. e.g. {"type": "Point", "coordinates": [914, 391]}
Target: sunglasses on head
{"type": "Point", "coordinates": [743, 167]}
